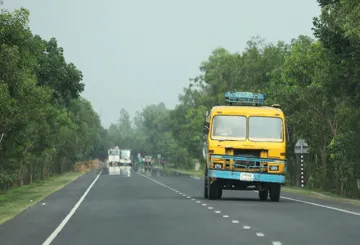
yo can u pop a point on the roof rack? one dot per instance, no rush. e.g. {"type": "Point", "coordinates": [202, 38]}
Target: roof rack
{"type": "Point", "coordinates": [244, 98]}
{"type": "Point", "coordinates": [275, 105]}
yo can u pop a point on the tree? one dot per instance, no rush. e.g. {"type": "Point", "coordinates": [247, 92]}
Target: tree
{"type": "Point", "coordinates": [40, 138]}
{"type": "Point", "coordinates": [53, 71]}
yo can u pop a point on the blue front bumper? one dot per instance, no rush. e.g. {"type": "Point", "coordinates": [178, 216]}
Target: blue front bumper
{"type": "Point", "coordinates": [258, 177]}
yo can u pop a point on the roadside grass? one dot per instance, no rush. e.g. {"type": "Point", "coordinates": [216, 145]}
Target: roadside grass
{"type": "Point", "coordinates": [186, 172]}
{"type": "Point", "coordinates": [320, 195]}
{"type": "Point", "coordinates": [18, 199]}
{"type": "Point", "coordinates": [287, 189]}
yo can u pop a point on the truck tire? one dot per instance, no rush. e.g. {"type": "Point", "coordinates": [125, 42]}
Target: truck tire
{"type": "Point", "coordinates": [206, 194]}
{"type": "Point", "coordinates": [275, 190]}
{"type": "Point", "coordinates": [263, 195]}
{"type": "Point", "coordinates": [214, 191]}
{"type": "Point", "coordinates": [219, 192]}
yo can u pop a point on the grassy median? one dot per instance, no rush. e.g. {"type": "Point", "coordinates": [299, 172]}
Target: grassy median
{"type": "Point", "coordinates": [18, 199]}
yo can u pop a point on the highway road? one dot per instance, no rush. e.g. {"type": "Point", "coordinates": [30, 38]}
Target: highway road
{"type": "Point", "coordinates": [103, 209]}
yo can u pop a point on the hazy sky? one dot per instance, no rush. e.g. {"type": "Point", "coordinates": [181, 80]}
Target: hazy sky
{"type": "Point", "coordinates": [138, 52]}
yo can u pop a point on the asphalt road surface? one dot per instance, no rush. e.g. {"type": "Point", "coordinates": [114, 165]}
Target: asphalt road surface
{"type": "Point", "coordinates": [103, 209]}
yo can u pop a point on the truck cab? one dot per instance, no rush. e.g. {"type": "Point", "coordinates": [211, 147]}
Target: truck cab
{"type": "Point", "coordinates": [113, 156]}
{"type": "Point", "coordinates": [113, 162]}
{"type": "Point", "coordinates": [245, 147]}
{"type": "Point", "coordinates": [125, 162]}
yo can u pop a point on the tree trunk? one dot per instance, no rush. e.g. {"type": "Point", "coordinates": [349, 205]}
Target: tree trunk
{"type": "Point", "coordinates": [62, 164]}
{"type": "Point", "coordinates": [30, 173]}
{"type": "Point", "coordinates": [324, 164]}
{"type": "Point", "coordinates": [43, 170]}
{"type": "Point", "coordinates": [20, 175]}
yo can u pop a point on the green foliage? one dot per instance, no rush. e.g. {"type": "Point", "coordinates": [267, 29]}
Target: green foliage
{"type": "Point", "coordinates": [149, 133]}
{"type": "Point", "coordinates": [316, 82]}
{"type": "Point", "coordinates": [45, 126]}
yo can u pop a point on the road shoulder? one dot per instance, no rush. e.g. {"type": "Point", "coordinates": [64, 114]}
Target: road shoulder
{"type": "Point", "coordinates": [37, 222]}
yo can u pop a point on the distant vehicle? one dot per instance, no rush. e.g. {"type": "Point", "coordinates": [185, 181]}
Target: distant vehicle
{"type": "Point", "coordinates": [125, 157]}
{"type": "Point", "coordinates": [148, 164]}
{"type": "Point", "coordinates": [148, 158]}
{"type": "Point", "coordinates": [156, 169]}
{"type": "Point", "coordinates": [113, 156]}
{"type": "Point", "coordinates": [245, 145]}
{"type": "Point", "coordinates": [163, 162]}
{"type": "Point", "coordinates": [125, 162]}
{"type": "Point", "coordinates": [114, 161]}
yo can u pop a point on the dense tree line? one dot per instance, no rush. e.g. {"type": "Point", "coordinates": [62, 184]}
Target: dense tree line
{"type": "Point", "coordinates": [316, 82]}
{"type": "Point", "coordinates": [45, 125]}
{"type": "Point", "coordinates": [149, 133]}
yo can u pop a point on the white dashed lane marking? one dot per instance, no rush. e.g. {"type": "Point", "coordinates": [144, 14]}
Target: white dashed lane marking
{"type": "Point", "coordinates": [276, 243]}
{"type": "Point", "coordinates": [320, 205]}
{"type": "Point", "coordinates": [245, 227]}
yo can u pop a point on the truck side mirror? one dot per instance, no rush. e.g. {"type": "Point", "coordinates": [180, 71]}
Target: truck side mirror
{"type": "Point", "coordinates": [206, 129]}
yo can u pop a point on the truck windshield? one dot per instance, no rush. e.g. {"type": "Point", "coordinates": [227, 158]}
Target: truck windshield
{"type": "Point", "coordinates": [114, 152]}
{"type": "Point", "coordinates": [229, 127]}
{"type": "Point", "coordinates": [125, 154]}
{"type": "Point", "coordinates": [265, 129]}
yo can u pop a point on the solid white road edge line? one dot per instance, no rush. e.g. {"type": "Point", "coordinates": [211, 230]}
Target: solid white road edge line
{"type": "Point", "coordinates": [321, 205]}
{"type": "Point", "coordinates": [67, 218]}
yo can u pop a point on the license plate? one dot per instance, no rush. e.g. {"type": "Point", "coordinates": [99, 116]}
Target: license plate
{"type": "Point", "coordinates": [246, 177]}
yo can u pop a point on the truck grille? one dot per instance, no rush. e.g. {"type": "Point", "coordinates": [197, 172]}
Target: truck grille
{"type": "Point", "coordinates": [248, 164]}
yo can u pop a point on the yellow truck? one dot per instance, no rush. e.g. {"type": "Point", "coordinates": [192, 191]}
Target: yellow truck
{"type": "Point", "coordinates": [245, 147]}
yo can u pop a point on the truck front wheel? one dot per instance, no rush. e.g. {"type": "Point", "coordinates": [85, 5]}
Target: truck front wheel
{"type": "Point", "coordinates": [263, 195]}
{"type": "Point", "coordinates": [214, 190]}
{"type": "Point", "coordinates": [219, 192]}
{"type": "Point", "coordinates": [205, 184]}
{"type": "Point", "coordinates": [275, 190]}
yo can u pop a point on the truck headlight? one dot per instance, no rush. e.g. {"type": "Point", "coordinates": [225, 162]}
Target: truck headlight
{"type": "Point", "coordinates": [218, 165]}
{"type": "Point", "coordinates": [274, 168]}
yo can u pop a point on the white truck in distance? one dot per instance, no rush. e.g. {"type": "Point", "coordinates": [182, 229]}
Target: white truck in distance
{"type": "Point", "coordinates": [125, 162]}
{"type": "Point", "coordinates": [114, 161]}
